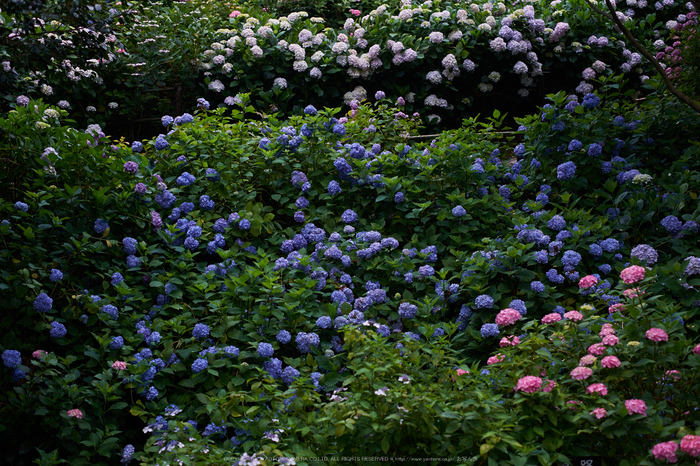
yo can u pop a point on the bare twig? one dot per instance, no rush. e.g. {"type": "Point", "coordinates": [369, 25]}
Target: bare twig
{"type": "Point", "coordinates": [645, 53]}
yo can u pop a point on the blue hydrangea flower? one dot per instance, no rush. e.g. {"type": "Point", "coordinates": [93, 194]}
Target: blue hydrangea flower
{"type": "Point", "coordinates": [537, 286]}
{"type": "Point", "coordinates": [299, 216]}
{"type": "Point", "coordinates": [111, 310]}
{"type": "Point", "coordinates": [557, 223]}
{"type": "Point", "coordinates": [672, 225]}
{"type": "Point", "coordinates": [244, 224]}
{"type": "Point", "coordinates": [566, 171]}
{"type": "Point", "coordinates": [186, 118]}
{"type": "Point", "coordinates": [167, 120]}
{"type": "Point", "coordinates": [289, 375]}
{"type": "Point", "coordinates": [191, 243]}
{"type": "Point", "coordinates": [100, 226]}
{"type": "Point", "coordinates": [518, 305]}
{"type": "Point", "coordinates": [21, 206]}
{"type": "Point", "coordinates": [273, 367]}
{"type": "Point", "coordinates": [519, 150]}
{"type": "Point", "coordinates": [128, 451]}
{"type": "Point", "coordinates": [310, 110]}
{"type": "Point", "coordinates": [407, 310]}
{"type": "Point", "coordinates": [595, 149]}
{"type": "Point", "coordinates": [43, 303]}
{"type": "Point", "coordinates": [284, 337]}
{"type": "Point", "coordinates": [554, 276]}
{"type": "Point", "coordinates": [398, 197]}
{"type": "Point", "coordinates": [339, 129]}
{"type": "Point", "coordinates": [56, 275]}
{"type": "Point", "coordinates": [58, 330]}
{"type": "Point", "coordinates": [185, 179]}
{"type": "Point", "coordinates": [206, 203]}
{"type": "Point", "coordinates": [483, 301]}
{"type": "Point", "coordinates": [200, 331]}
{"type": "Point", "coordinates": [11, 358]}
{"type": "Point", "coordinates": [265, 350]}
{"type": "Point", "coordinates": [489, 330]}
{"type": "Point", "coordinates": [590, 101]}
{"type": "Point", "coordinates": [231, 351]}
{"type": "Point", "coordinates": [116, 343]}
{"type": "Point", "coordinates": [575, 145]}
{"type": "Point", "coordinates": [334, 188]}
{"type": "Point", "coordinates": [117, 278]}
{"type": "Point", "coordinates": [136, 146]}
{"type": "Point", "coordinates": [571, 258]}
{"type": "Point", "coordinates": [459, 211]}
{"type": "Point", "coordinates": [161, 143]}
{"type": "Point", "coordinates": [349, 216]}
{"type": "Point", "coordinates": [199, 365]}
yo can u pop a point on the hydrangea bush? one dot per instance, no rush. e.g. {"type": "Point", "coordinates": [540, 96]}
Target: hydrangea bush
{"type": "Point", "coordinates": [251, 285]}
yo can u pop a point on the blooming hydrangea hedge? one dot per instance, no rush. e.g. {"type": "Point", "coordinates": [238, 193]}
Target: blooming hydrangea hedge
{"type": "Point", "coordinates": [273, 286]}
{"type": "Point", "coordinates": [443, 59]}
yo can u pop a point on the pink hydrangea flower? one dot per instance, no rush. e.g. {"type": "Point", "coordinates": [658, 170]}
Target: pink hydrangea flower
{"type": "Point", "coordinates": [355, 12]}
{"type": "Point", "coordinates": [656, 334]}
{"type": "Point", "coordinates": [610, 362]}
{"type": "Point", "coordinates": [529, 384]}
{"type": "Point", "coordinates": [75, 413]}
{"type": "Point", "coordinates": [636, 407]}
{"type": "Point", "coordinates": [596, 349]}
{"type": "Point", "coordinates": [632, 274]}
{"type": "Point", "coordinates": [495, 359]}
{"type": "Point", "coordinates": [587, 360]}
{"type": "Point", "coordinates": [674, 374]}
{"type": "Point", "coordinates": [696, 350]}
{"type": "Point", "coordinates": [574, 316]}
{"type": "Point", "coordinates": [549, 385]}
{"type": "Point", "coordinates": [610, 340]}
{"type": "Point", "coordinates": [510, 340]}
{"type": "Point", "coordinates": [606, 330]}
{"type": "Point", "coordinates": [587, 282]}
{"type": "Point", "coordinates": [619, 307]}
{"type": "Point", "coordinates": [119, 365]}
{"type": "Point", "coordinates": [633, 293]}
{"type": "Point", "coordinates": [507, 317]}
{"type": "Point", "coordinates": [599, 413]}
{"type": "Point", "coordinates": [461, 372]}
{"type": "Point", "coordinates": [551, 318]}
{"type": "Point", "coordinates": [38, 354]}
{"type": "Point", "coordinates": [234, 13]}
{"type": "Point", "coordinates": [581, 373]}
{"type": "Point", "coordinates": [690, 444]}
{"type": "Point", "coordinates": [665, 451]}
{"type": "Point", "coordinates": [598, 388]}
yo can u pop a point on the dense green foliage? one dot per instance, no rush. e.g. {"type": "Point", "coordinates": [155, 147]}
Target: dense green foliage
{"type": "Point", "coordinates": [274, 281]}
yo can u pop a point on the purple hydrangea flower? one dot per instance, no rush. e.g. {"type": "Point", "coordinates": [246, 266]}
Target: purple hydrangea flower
{"type": "Point", "coordinates": [537, 286]}
{"type": "Point", "coordinates": [131, 167]}
{"type": "Point", "coordinates": [200, 331]}
{"type": "Point", "coordinates": [489, 330]}
{"type": "Point", "coordinates": [11, 358]}
{"type": "Point", "coordinates": [100, 226]}
{"type": "Point", "coordinates": [349, 216]}
{"type": "Point", "coordinates": [566, 171]}
{"type": "Point", "coordinates": [483, 301]}
{"type": "Point", "coordinates": [206, 203]}
{"type": "Point", "coordinates": [265, 350]}
{"type": "Point", "coordinates": [58, 330]}
{"type": "Point", "coordinates": [199, 365]}
{"type": "Point", "coordinates": [334, 188]}
{"type": "Point", "coordinates": [56, 275]}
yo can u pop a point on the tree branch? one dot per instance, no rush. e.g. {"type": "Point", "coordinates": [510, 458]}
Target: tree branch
{"type": "Point", "coordinates": [645, 53]}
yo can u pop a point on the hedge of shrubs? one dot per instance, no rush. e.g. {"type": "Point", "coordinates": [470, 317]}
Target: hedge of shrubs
{"type": "Point", "coordinates": [245, 287]}
{"type": "Point", "coordinates": [446, 60]}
